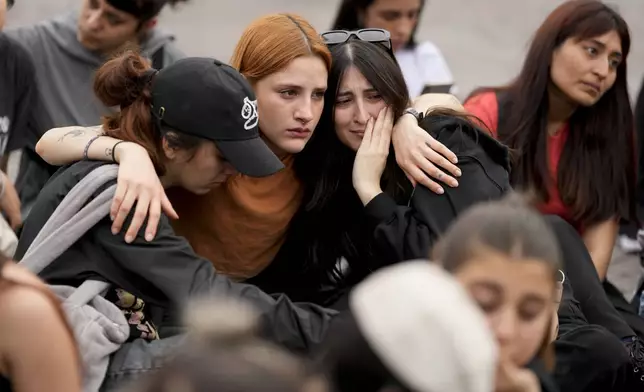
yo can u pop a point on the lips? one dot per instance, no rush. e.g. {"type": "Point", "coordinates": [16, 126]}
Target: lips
{"type": "Point", "coordinates": [299, 133]}
{"type": "Point", "coordinates": [594, 87]}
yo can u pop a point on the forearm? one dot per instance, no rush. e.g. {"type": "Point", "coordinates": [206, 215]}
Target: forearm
{"type": "Point", "coordinates": [426, 102]}
{"type": "Point", "coordinates": [600, 240]}
{"type": "Point", "coordinates": [61, 146]}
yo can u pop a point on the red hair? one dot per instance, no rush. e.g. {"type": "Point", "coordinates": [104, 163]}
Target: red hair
{"type": "Point", "coordinates": [122, 82]}
{"type": "Point", "coordinates": [271, 42]}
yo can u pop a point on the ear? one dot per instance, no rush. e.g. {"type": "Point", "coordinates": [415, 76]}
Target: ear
{"type": "Point", "coordinates": [169, 152]}
{"type": "Point", "coordinates": [150, 24]}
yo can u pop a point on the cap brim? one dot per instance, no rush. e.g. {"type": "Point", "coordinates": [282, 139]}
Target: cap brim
{"type": "Point", "coordinates": [250, 157]}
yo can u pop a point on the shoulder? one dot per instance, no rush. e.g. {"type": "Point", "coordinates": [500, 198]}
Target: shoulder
{"type": "Point", "coordinates": [25, 303]}
{"type": "Point", "coordinates": [485, 107]}
{"type": "Point", "coordinates": [427, 48]}
{"type": "Point", "coordinates": [171, 53]}
{"type": "Point", "coordinates": [13, 50]}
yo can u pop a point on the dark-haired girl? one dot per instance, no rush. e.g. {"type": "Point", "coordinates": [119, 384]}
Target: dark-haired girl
{"type": "Point", "coordinates": [423, 65]}
{"type": "Point", "coordinates": [568, 117]}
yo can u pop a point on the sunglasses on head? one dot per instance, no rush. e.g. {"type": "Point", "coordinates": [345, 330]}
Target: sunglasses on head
{"type": "Point", "coordinates": [378, 36]}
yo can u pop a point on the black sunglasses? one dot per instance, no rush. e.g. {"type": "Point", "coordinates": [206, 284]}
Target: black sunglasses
{"type": "Point", "coordinates": [378, 36]}
{"type": "Point", "coordinates": [9, 4]}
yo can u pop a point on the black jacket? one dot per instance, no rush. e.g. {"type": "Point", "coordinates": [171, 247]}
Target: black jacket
{"type": "Point", "coordinates": [164, 272]}
{"type": "Point", "coordinates": [387, 230]}
{"type": "Point", "coordinates": [409, 231]}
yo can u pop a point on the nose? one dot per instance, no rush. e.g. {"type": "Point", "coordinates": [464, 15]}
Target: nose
{"type": "Point", "coordinates": [602, 68]}
{"type": "Point", "coordinates": [229, 170]}
{"type": "Point", "coordinates": [360, 115]}
{"type": "Point", "coordinates": [505, 327]}
{"type": "Point", "coordinates": [94, 20]}
{"type": "Point", "coordinates": [304, 112]}
{"type": "Point", "coordinates": [404, 27]}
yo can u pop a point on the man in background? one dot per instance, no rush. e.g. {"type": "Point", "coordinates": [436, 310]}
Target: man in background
{"type": "Point", "coordinates": [69, 48]}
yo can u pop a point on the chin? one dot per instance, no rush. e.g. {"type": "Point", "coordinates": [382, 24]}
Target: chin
{"type": "Point", "coordinates": [293, 146]}
{"type": "Point", "coordinates": [585, 99]}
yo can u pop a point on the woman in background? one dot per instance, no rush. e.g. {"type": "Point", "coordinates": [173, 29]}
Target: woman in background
{"type": "Point", "coordinates": [423, 65]}
{"type": "Point", "coordinates": [37, 347]}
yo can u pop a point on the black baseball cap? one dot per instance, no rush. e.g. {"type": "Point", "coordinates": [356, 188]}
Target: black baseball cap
{"type": "Point", "coordinates": [206, 98]}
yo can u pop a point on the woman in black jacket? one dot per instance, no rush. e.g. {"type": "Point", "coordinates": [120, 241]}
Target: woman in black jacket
{"type": "Point", "coordinates": [373, 215]}
{"type": "Point", "coordinates": [153, 278]}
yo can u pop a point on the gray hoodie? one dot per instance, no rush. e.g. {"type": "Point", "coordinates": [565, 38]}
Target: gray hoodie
{"type": "Point", "coordinates": [65, 69]}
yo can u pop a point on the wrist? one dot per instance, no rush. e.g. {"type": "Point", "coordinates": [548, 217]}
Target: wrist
{"type": "Point", "coordinates": [122, 150]}
{"type": "Point", "coordinates": [367, 192]}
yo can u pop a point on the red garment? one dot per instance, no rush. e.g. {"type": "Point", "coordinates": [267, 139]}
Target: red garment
{"type": "Point", "coordinates": [486, 107]}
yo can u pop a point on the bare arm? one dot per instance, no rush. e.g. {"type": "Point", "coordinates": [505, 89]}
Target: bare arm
{"type": "Point", "coordinates": [38, 349]}
{"type": "Point", "coordinates": [600, 240]}
{"type": "Point", "coordinates": [62, 146]}
{"type": "Point", "coordinates": [138, 183]}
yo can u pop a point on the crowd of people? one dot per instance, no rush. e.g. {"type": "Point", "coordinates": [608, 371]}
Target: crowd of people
{"type": "Point", "coordinates": [317, 214]}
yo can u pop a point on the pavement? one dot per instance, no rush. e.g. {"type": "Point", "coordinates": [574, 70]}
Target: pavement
{"type": "Point", "coordinates": [484, 42]}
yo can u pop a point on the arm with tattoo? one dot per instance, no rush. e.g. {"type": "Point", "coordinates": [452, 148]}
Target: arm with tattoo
{"type": "Point", "coordinates": [60, 146]}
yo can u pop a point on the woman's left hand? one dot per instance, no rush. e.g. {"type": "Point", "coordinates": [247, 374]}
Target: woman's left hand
{"type": "Point", "coordinates": [371, 157]}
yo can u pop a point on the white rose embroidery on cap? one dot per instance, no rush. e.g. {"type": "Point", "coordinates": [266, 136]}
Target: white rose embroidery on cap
{"type": "Point", "coordinates": [249, 113]}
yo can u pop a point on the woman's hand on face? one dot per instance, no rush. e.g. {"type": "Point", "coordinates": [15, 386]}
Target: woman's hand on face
{"type": "Point", "coordinates": [511, 378]}
{"type": "Point", "coordinates": [421, 156]}
{"type": "Point", "coordinates": [138, 182]}
{"type": "Point", "coordinates": [371, 157]}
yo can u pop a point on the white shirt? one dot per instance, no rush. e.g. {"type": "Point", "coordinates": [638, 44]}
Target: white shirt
{"type": "Point", "coordinates": [423, 66]}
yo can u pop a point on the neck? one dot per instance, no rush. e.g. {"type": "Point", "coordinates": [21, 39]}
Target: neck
{"type": "Point", "coordinates": [560, 107]}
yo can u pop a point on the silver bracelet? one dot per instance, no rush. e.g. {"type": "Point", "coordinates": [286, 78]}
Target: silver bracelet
{"type": "Point", "coordinates": [89, 143]}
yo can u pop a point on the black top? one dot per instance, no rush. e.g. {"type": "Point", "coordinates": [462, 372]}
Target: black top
{"type": "Point", "coordinates": [5, 384]}
{"type": "Point", "coordinates": [23, 118]}
{"type": "Point", "coordinates": [406, 232]}
{"type": "Point", "coordinates": [163, 273]}
{"type": "Point", "coordinates": [387, 230]}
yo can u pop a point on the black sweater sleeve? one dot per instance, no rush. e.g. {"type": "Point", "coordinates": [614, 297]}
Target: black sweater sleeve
{"type": "Point", "coordinates": [169, 267]}
{"type": "Point", "coordinates": [408, 232]}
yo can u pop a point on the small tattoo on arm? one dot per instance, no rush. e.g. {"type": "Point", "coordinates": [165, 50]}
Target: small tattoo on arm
{"type": "Point", "coordinates": [72, 133]}
{"type": "Point", "coordinates": [108, 152]}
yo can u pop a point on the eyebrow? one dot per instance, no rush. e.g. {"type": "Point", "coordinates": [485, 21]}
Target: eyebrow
{"type": "Point", "coordinates": [488, 286]}
{"type": "Point", "coordinates": [348, 92]}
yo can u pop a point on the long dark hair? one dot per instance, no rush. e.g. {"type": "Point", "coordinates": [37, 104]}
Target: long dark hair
{"type": "Point", "coordinates": [348, 18]}
{"type": "Point", "coordinates": [596, 173]}
{"type": "Point", "coordinates": [330, 199]}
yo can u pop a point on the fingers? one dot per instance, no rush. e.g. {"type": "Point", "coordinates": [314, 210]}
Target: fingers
{"type": "Point", "coordinates": [15, 219]}
{"type": "Point", "coordinates": [388, 125]}
{"type": "Point", "coordinates": [154, 215]}
{"type": "Point", "coordinates": [368, 133]}
{"type": "Point", "coordinates": [442, 168]}
{"type": "Point", "coordinates": [140, 213]}
{"type": "Point", "coordinates": [123, 210]}
{"type": "Point", "coordinates": [442, 150]}
{"type": "Point", "coordinates": [119, 195]}
{"type": "Point", "coordinates": [420, 177]}
{"type": "Point", "coordinates": [166, 206]}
